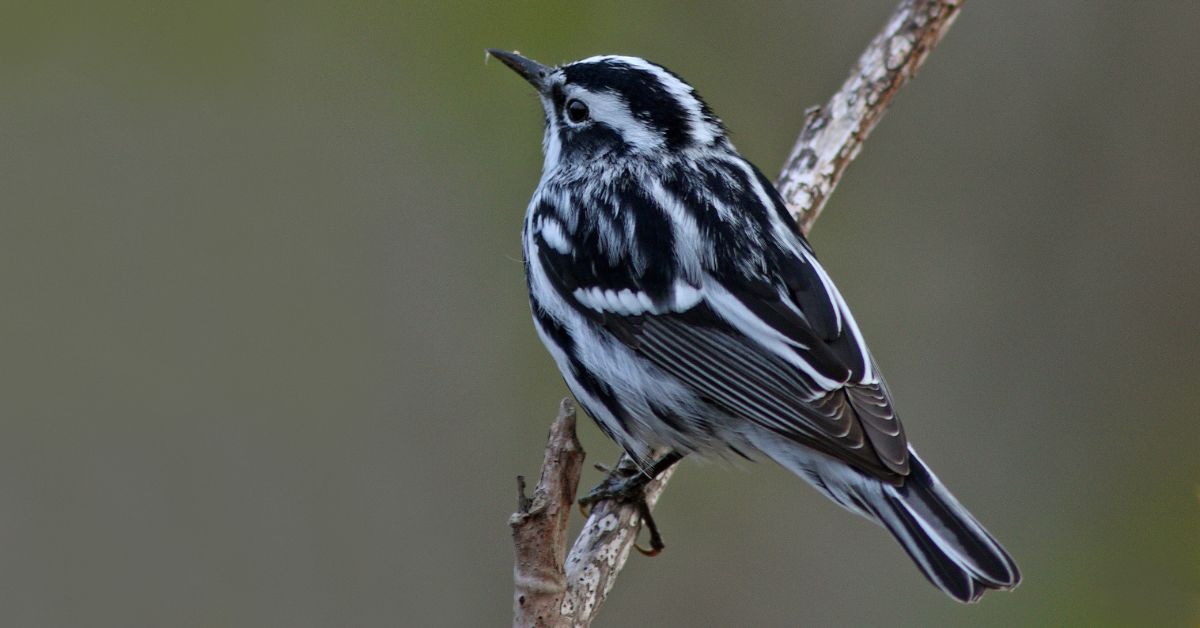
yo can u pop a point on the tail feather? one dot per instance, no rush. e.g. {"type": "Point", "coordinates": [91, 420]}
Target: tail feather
{"type": "Point", "coordinates": [944, 520]}
{"type": "Point", "coordinates": [954, 552]}
{"type": "Point", "coordinates": [937, 566]}
{"type": "Point", "coordinates": [947, 544]}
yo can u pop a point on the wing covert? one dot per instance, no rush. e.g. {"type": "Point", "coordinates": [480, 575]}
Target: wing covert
{"type": "Point", "coordinates": [853, 422]}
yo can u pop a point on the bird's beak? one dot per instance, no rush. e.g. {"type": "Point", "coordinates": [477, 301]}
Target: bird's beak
{"type": "Point", "coordinates": [531, 70]}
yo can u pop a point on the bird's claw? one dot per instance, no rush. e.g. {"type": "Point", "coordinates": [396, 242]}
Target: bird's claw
{"type": "Point", "coordinates": [623, 485]}
{"type": "Point", "coordinates": [626, 487]}
{"type": "Point", "coordinates": [656, 542]}
{"type": "Point", "coordinates": [648, 552]}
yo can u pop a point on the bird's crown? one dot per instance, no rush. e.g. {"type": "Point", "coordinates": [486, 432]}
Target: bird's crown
{"type": "Point", "coordinates": [617, 105]}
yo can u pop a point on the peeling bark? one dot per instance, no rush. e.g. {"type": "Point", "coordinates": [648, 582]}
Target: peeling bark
{"type": "Point", "coordinates": [551, 587]}
{"type": "Point", "coordinates": [539, 527]}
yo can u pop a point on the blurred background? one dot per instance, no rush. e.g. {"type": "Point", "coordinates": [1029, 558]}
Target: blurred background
{"type": "Point", "coordinates": [266, 356]}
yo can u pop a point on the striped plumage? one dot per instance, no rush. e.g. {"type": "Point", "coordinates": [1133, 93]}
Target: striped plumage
{"type": "Point", "coordinates": [684, 310]}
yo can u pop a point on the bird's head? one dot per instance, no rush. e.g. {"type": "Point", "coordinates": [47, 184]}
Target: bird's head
{"type": "Point", "coordinates": [611, 106]}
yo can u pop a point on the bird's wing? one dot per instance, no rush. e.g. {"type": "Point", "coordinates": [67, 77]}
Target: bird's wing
{"type": "Point", "coordinates": [774, 372]}
{"type": "Point", "coordinates": [790, 361]}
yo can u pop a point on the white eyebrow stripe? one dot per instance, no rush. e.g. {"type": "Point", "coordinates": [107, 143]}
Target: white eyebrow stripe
{"type": "Point", "coordinates": [701, 129]}
{"type": "Point", "coordinates": [612, 110]}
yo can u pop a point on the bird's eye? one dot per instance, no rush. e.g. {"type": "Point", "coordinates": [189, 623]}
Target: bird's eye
{"type": "Point", "coordinates": [577, 111]}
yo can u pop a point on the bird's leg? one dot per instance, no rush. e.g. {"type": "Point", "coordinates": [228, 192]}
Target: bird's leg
{"type": "Point", "coordinates": [627, 484]}
{"type": "Point", "coordinates": [656, 542]}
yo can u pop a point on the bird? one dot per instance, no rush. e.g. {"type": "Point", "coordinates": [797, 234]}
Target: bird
{"type": "Point", "coordinates": [688, 314]}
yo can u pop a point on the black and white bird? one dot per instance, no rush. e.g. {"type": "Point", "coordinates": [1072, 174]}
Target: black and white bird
{"type": "Point", "coordinates": [686, 311]}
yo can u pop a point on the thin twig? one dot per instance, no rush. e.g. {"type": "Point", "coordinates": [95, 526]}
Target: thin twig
{"type": "Point", "coordinates": [555, 591]}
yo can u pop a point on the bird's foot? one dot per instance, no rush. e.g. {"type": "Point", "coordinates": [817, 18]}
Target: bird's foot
{"type": "Point", "coordinates": [624, 485]}
{"type": "Point", "coordinates": [627, 485]}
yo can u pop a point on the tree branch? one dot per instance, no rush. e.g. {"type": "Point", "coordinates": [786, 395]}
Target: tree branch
{"type": "Point", "coordinates": [555, 591]}
{"type": "Point", "coordinates": [832, 135]}
{"type": "Point", "coordinates": [539, 527]}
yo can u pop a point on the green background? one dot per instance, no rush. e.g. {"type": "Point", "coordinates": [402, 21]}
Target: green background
{"type": "Point", "coordinates": [266, 357]}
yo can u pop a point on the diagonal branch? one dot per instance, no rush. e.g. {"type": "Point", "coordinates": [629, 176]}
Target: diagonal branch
{"type": "Point", "coordinates": [554, 588]}
{"type": "Point", "coordinates": [833, 134]}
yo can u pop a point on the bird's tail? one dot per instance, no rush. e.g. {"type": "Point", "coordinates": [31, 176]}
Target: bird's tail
{"type": "Point", "coordinates": [947, 544]}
